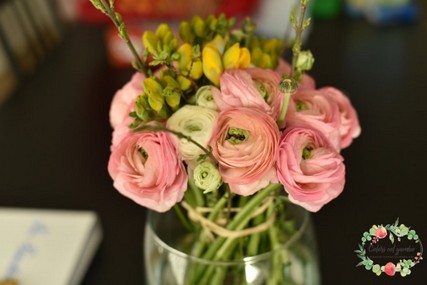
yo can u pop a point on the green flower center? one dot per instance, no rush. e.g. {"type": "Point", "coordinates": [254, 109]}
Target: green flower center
{"type": "Point", "coordinates": [193, 128]}
{"type": "Point", "coordinates": [306, 152]}
{"type": "Point", "coordinates": [143, 154]}
{"type": "Point", "coordinates": [237, 136]}
{"type": "Point", "coordinates": [300, 106]}
{"type": "Point", "coordinates": [262, 90]}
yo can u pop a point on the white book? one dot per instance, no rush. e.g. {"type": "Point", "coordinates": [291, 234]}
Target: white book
{"type": "Point", "coordinates": [47, 247]}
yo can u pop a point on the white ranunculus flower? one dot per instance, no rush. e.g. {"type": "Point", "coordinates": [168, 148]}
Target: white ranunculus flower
{"type": "Point", "coordinates": [196, 122]}
{"type": "Point", "coordinates": [206, 176]}
{"type": "Point", "coordinates": [204, 97]}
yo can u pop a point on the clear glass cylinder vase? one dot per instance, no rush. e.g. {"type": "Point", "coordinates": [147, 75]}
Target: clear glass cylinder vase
{"type": "Point", "coordinates": [167, 261]}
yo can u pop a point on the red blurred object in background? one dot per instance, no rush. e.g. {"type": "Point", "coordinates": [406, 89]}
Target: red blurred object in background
{"type": "Point", "coordinates": [167, 9]}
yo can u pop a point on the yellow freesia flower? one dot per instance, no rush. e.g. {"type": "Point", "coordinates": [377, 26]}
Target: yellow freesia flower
{"type": "Point", "coordinates": [236, 57]}
{"type": "Point", "coordinates": [212, 63]}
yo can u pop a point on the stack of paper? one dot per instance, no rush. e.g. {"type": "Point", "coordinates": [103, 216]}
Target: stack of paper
{"type": "Point", "coordinates": [47, 247]}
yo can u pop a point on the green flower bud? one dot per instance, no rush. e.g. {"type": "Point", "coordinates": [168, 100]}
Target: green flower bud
{"type": "Point", "coordinates": [185, 32]}
{"type": "Point", "coordinates": [304, 60]}
{"type": "Point", "coordinates": [172, 92]}
{"type": "Point", "coordinates": [150, 41]}
{"type": "Point", "coordinates": [207, 177]}
{"type": "Point", "coordinates": [154, 90]}
{"type": "Point", "coordinates": [198, 26]}
{"type": "Point", "coordinates": [185, 57]}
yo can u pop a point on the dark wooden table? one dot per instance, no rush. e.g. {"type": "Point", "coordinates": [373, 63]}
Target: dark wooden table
{"type": "Point", "coordinates": [54, 144]}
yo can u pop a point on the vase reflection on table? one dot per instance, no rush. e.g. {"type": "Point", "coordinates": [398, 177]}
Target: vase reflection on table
{"type": "Point", "coordinates": [168, 262]}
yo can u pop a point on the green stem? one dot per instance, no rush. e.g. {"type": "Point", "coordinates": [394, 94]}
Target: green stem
{"type": "Point", "coordinates": [298, 37]}
{"type": "Point", "coordinates": [118, 22]}
{"type": "Point", "coordinates": [222, 248]}
{"type": "Point", "coordinates": [159, 128]}
{"type": "Point", "coordinates": [197, 194]}
{"type": "Point", "coordinates": [254, 239]}
{"type": "Point", "coordinates": [183, 219]}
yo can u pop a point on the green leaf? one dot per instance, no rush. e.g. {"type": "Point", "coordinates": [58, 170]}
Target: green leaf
{"type": "Point", "coordinates": [359, 264]}
{"type": "Point", "coordinates": [391, 237]}
{"type": "Point", "coordinates": [396, 222]}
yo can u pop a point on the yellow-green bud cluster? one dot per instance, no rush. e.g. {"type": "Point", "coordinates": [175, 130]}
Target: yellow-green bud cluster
{"type": "Point", "coordinates": [207, 48]}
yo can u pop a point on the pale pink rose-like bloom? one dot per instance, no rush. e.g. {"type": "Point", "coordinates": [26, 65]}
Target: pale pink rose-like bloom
{"type": "Point", "coordinates": [146, 168]}
{"type": "Point", "coordinates": [307, 81]}
{"type": "Point", "coordinates": [124, 100]}
{"type": "Point", "coordinates": [349, 127]}
{"type": "Point", "coordinates": [241, 88]}
{"type": "Point", "coordinates": [309, 167]}
{"type": "Point", "coordinates": [250, 165]}
{"type": "Point", "coordinates": [317, 110]}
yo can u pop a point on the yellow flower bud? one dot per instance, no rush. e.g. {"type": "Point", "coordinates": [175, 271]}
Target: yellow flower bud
{"type": "Point", "coordinates": [150, 41]}
{"type": "Point", "coordinates": [198, 26]}
{"type": "Point", "coordinates": [184, 83]}
{"type": "Point", "coordinates": [173, 96]}
{"type": "Point", "coordinates": [185, 57]}
{"type": "Point", "coordinates": [196, 70]}
{"type": "Point", "coordinates": [212, 64]}
{"type": "Point", "coordinates": [272, 46]}
{"type": "Point", "coordinates": [218, 42]}
{"type": "Point", "coordinates": [185, 32]}
{"type": "Point", "coordinates": [256, 56]}
{"type": "Point", "coordinates": [244, 58]}
{"type": "Point", "coordinates": [163, 31]}
{"type": "Point", "coordinates": [153, 89]}
{"type": "Point", "coordinates": [236, 57]}
{"type": "Point", "coordinates": [266, 61]}
{"type": "Point", "coordinates": [231, 56]}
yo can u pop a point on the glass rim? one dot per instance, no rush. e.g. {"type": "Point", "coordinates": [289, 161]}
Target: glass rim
{"type": "Point", "coordinates": [246, 260]}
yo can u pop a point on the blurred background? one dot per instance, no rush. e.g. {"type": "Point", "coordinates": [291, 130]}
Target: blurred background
{"type": "Point", "coordinates": [61, 63]}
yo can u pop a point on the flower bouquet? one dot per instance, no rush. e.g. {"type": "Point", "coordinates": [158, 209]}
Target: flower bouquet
{"type": "Point", "coordinates": [216, 125]}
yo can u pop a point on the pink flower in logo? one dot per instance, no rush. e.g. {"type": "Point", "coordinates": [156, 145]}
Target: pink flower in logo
{"type": "Point", "coordinates": [245, 142]}
{"type": "Point", "coordinates": [146, 168]}
{"type": "Point", "coordinates": [309, 167]}
{"type": "Point", "coordinates": [390, 269]}
{"type": "Point", "coordinates": [381, 232]}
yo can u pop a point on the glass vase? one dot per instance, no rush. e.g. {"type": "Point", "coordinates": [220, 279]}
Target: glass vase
{"type": "Point", "coordinates": [167, 262]}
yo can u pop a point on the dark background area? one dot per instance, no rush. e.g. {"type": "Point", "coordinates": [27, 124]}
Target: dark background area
{"type": "Point", "coordinates": [55, 138]}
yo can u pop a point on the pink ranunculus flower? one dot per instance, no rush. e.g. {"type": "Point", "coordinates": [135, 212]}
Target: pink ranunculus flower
{"type": "Point", "coordinates": [390, 269]}
{"type": "Point", "coordinates": [307, 81]}
{"type": "Point", "coordinates": [121, 131]}
{"type": "Point", "coordinates": [381, 232]}
{"type": "Point", "coordinates": [245, 142]}
{"type": "Point", "coordinates": [318, 110]}
{"type": "Point", "coordinates": [146, 168]}
{"type": "Point", "coordinates": [310, 168]}
{"type": "Point", "coordinates": [252, 87]}
{"type": "Point", "coordinates": [349, 127]}
{"type": "Point", "coordinates": [124, 100]}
